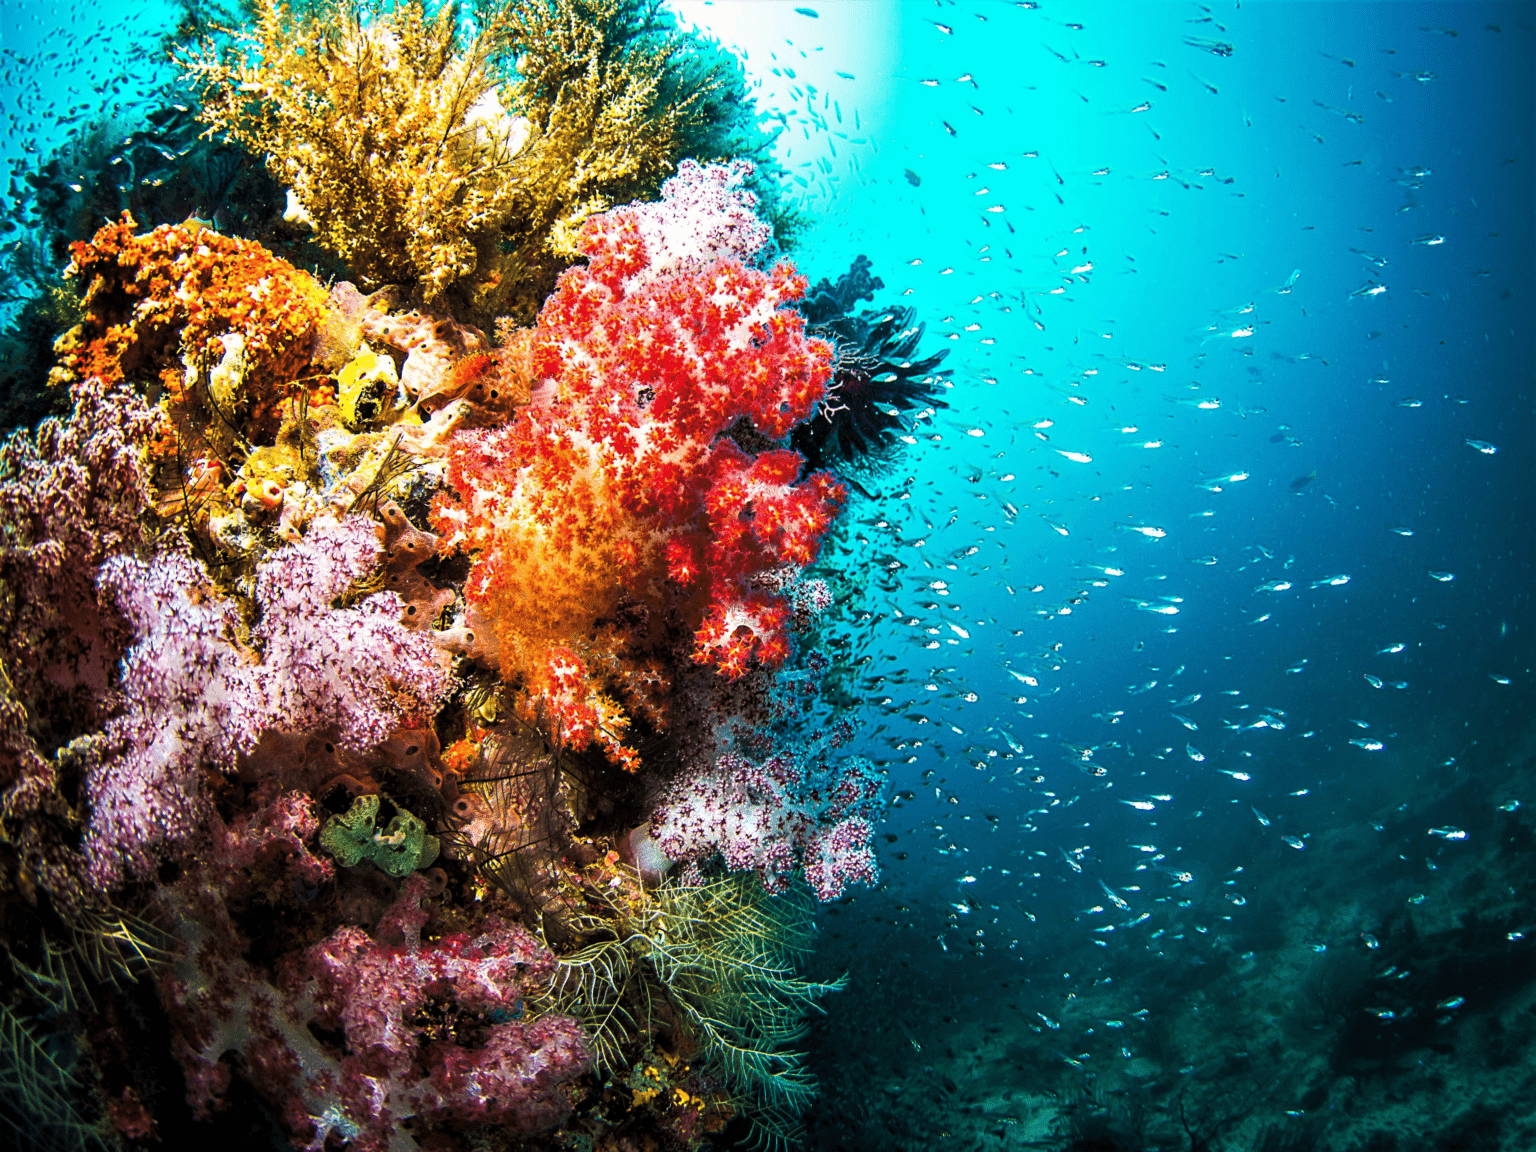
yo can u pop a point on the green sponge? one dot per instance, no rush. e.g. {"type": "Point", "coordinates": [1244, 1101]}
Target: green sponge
{"type": "Point", "coordinates": [401, 848]}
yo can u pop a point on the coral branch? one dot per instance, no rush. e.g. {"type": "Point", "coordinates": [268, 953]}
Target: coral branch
{"type": "Point", "coordinates": [493, 1068]}
{"type": "Point", "coordinates": [773, 815]}
{"type": "Point", "coordinates": [197, 697]}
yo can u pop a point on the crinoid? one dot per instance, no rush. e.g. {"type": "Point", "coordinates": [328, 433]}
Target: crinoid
{"type": "Point", "coordinates": [37, 1093]}
{"type": "Point", "coordinates": [96, 952]}
{"type": "Point", "coordinates": [723, 953]}
{"type": "Point", "coordinates": [875, 381]}
{"type": "Point", "coordinates": [519, 798]}
{"type": "Point", "coordinates": [100, 951]}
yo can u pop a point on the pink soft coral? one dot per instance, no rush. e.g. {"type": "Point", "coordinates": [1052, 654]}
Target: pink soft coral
{"type": "Point", "coordinates": [70, 495]}
{"type": "Point", "coordinates": [704, 215]}
{"type": "Point", "coordinates": [773, 815]}
{"type": "Point", "coordinates": [490, 1065]}
{"type": "Point", "coordinates": [370, 990]}
{"type": "Point", "coordinates": [196, 697]}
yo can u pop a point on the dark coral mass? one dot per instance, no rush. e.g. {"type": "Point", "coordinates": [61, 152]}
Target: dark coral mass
{"type": "Point", "coordinates": [876, 385]}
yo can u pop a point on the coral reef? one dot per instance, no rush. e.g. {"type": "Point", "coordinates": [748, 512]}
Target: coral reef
{"type": "Point", "coordinates": [437, 718]}
{"type": "Point", "coordinates": [221, 331]}
{"type": "Point", "coordinates": [273, 407]}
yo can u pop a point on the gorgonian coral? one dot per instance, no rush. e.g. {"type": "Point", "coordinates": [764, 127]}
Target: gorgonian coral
{"type": "Point", "coordinates": [420, 154]}
{"type": "Point", "coordinates": [615, 498]}
{"type": "Point", "coordinates": [386, 128]}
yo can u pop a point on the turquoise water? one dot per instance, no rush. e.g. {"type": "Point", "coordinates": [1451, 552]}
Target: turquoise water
{"type": "Point", "coordinates": [1199, 622]}
{"type": "Point", "coordinates": [1232, 204]}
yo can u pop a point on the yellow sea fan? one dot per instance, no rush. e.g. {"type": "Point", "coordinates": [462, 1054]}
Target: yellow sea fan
{"type": "Point", "coordinates": [386, 128]}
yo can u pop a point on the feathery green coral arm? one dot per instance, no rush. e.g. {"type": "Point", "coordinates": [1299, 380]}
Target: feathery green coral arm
{"type": "Point", "coordinates": [36, 1091]}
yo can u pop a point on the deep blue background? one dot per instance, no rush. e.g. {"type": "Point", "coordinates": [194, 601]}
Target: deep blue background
{"type": "Point", "coordinates": [1209, 203]}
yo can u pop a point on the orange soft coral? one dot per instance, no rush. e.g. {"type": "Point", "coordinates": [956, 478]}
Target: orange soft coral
{"type": "Point", "coordinates": [614, 501]}
{"type": "Point", "coordinates": [562, 695]}
{"type": "Point", "coordinates": [180, 293]}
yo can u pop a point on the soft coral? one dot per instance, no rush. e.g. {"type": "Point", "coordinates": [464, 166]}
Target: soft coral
{"type": "Point", "coordinates": [618, 485]}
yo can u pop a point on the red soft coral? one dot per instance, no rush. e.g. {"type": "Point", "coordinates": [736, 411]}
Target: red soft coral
{"type": "Point", "coordinates": [615, 501]}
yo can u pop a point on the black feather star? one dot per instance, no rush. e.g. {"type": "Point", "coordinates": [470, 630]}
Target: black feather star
{"type": "Point", "coordinates": [875, 382]}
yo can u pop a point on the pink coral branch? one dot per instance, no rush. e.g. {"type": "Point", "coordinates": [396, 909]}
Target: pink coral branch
{"type": "Point", "coordinates": [771, 815]}
{"type": "Point", "coordinates": [507, 1070]}
{"type": "Point", "coordinates": [196, 697]}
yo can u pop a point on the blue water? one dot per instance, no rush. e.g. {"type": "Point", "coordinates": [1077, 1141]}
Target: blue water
{"type": "Point", "coordinates": [1190, 200]}
{"type": "Point", "coordinates": [1174, 255]}
{"type": "Point", "coordinates": [1313, 156]}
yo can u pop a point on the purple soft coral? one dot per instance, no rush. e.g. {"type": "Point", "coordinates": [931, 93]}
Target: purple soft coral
{"type": "Point", "coordinates": [195, 696]}
{"type": "Point", "coordinates": [369, 990]}
{"type": "Point", "coordinates": [70, 495]}
{"type": "Point", "coordinates": [357, 669]}
{"type": "Point", "coordinates": [767, 816]}
{"type": "Point", "coordinates": [190, 702]}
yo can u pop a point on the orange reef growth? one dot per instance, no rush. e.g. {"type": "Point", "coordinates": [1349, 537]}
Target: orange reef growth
{"type": "Point", "coordinates": [182, 291]}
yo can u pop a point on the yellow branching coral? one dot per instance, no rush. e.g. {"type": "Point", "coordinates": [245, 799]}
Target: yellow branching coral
{"type": "Point", "coordinates": [386, 128]}
{"type": "Point", "coordinates": [609, 97]}
{"type": "Point", "coordinates": [420, 154]}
